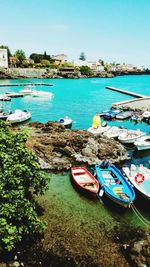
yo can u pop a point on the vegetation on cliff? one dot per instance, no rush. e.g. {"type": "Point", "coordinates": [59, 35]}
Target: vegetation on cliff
{"type": "Point", "coordinates": [20, 180]}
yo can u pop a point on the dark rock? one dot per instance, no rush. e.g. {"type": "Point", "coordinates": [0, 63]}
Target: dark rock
{"type": "Point", "coordinates": [60, 148]}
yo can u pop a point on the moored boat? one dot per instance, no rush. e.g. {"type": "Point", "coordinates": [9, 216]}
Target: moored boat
{"type": "Point", "coordinates": [67, 122]}
{"type": "Point", "coordinates": [98, 130]}
{"type": "Point", "coordinates": [124, 115]}
{"type": "Point", "coordinates": [36, 93]}
{"type": "Point", "coordinates": [146, 116]}
{"type": "Point", "coordinates": [26, 91]}
{"type": "Point", "coordinates": [114, 132]}
{"type": "Point", "coordinates": [130, 136]}
{"type": "Point", "coordinates": [139, 176]}
{"type": "Point", "coordinates": [114, 184]}
{"type": "Point", "coordinates": [85, 180]}
{"type": "Point", "coordinates": [143, 143]}
{"type": "Point", "coordinates": [4, 115]}
{"type": "Point", "coordinates": [19, 116]}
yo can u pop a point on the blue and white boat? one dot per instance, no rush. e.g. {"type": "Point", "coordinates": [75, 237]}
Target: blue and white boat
{"type": "Point", "coordinates": [114, 184]}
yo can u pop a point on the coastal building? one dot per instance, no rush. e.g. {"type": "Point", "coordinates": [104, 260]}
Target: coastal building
{"type": "Point", "coordinates": [59, 59]}
{"type": "Point", "coordinates": [3, 58]}
{"type": "Point", "coordinates": [94, 65]}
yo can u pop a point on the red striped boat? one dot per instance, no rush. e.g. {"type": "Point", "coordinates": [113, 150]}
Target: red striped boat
{"type": "Point", "coordinates": [85, 180]}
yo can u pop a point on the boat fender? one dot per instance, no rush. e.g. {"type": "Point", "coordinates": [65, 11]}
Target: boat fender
{"type": "Point", "coordinates": [139, 178]}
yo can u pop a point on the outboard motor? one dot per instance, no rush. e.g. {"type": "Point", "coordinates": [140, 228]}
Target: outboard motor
{"type": "Point", "coordinates": [104, 164]}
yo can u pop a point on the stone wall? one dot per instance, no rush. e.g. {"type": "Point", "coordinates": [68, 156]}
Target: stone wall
{"type": "Point", "coordinates": [26, 72]}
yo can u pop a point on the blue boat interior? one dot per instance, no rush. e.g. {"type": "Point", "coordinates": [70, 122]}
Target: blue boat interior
{"type": "Point", "coordinates": [114, 183]}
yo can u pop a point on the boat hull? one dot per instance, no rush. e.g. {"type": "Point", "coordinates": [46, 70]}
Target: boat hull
{"type": "Point", "coordinates": [115, 185]}
{"type": "Point", "coordinates": [81, 182]}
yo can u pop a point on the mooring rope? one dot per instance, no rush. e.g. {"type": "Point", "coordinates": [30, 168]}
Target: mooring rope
{"type": "Point", "coordinates": [140, 216]}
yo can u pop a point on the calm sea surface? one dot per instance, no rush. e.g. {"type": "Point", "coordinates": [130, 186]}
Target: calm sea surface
{"type": "Point", "coordinates": [80, 99]}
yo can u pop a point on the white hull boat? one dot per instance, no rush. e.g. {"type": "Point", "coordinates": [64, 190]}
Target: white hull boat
{"type": "Point", "coordinates": [19, 116]}
{"type": "Point", "coordinates": [124, 115]}
{"type": "Point", "coordinates": [114, 132]}
{"type": "Point", "coordinates": [36, 93]}
{"type": "Point", "coordinates": [67, 122]}
{"type": "Point", "coordinates": [143, 143]}
{"type": "Point", "coordinates": [130, 136]}
{"type": "Point", "coordinates": [26, 91]}
{"type": "Point", "coordinates": [139, 176]}
{"type": "Point", "coordinates": [98, 130]}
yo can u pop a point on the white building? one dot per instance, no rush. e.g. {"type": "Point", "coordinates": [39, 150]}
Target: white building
{"type": "Point", "coordinates": [59, 59]}
{"type": "Point", "coordinates": [3, 58]}
{"type": "Point", "coordinates": [94, 65]}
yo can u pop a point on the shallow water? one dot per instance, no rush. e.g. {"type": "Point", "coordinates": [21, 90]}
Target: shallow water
{"type": "Point", "coordinates": [89, 231]}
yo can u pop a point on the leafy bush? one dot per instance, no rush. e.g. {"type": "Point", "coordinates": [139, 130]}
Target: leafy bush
{"type": "Point", "coordinates": [20, 180]}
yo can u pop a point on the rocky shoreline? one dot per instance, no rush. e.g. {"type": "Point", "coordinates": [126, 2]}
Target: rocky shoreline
{"type": "Point", "coordinates": [16, 73]}
{"type": "Point", "coordinates": [58, 149]}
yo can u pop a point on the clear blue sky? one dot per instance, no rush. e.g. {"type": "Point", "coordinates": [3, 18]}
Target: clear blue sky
{"type": "Point", "coordinates": [114, 30]}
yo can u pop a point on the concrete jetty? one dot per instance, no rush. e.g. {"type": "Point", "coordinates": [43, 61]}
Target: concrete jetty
{"type": "Point", "coordinates": [24, 84]}
{"type": "Point", "coordinates": [125, 92]}
{"type": "Point", "coordinates": [142, 104]}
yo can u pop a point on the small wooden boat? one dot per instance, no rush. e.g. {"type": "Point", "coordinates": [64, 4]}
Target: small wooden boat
{"type": "Point", "coordinates": [139, 176]}
{"type": "Point", "coordinates": [130, 136]}
{"type": "Point", "coordinates": [114, 184]}
{"type": "Point", "coordinates": [124, 115]}
{"type": "Point", "coordinates": [143, 143]}
{"type": "Point", "coordinates": [85, 180]}
{"type": "Point", "coordinates": [67, 122]}
{"type": "Point", "coordinates": [19, 116]}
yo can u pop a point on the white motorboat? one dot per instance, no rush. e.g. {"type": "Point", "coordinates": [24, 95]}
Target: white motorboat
{"type": "Point", "coordinates": [98, 130]}
{"type": "Point", "coordinates": [26, 91]}
{"type": "Point", "coordinates": [130, 136]}
{"type": "Point", "coordinates": [146, 116]}
{"type": "Point", "coordinates": [139, 176]}
{"type": "Point", "coordinates": [19, 116]}
{"type": "Point", "coordinates": [143, 143]}
{"type": "Point", "coordinates": [124, 115]}
{"type": "Point", "coordinates": [114, 132]}
{"type": "Point", "coordinates": [36, 93]}
{"type": "Point", "coordinates": [67, 122]}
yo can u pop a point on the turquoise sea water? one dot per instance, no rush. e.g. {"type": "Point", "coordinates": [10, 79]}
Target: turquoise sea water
{"type": "Point", "coordinates": [80, 99]}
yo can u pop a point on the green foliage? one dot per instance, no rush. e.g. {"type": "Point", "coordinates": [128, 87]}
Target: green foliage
{"type": "Point", "coordinates": [101, 62]}
{"type": "Point", "coordinates": [20, 55]}
{"type": "Point", "coordinates": [20, 180]}
{"type": "Point", "coordinates": [39, 57]}
{"type": "Point", "coordinates": [67, 64]}
{"type": "Point", "coordinates": [85, 70]}
{"type": "Point", "coordinates": [82, 56]}
{"type": "Point", "coordinates": [45, 63]}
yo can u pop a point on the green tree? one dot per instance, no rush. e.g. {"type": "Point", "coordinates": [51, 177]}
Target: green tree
{"type": "Point", "coordinates": [82, 56]}
{"type": "Point", "coordinates": [45, 63]}
{"type": "Point", "coordinates": [20, 180]}
{"type": "Point", "coordinates": [101, 62]}
{"type": "Point", "coordinates": [20, 55]}
{"type": "Point", "coordinates": [85, 70]}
